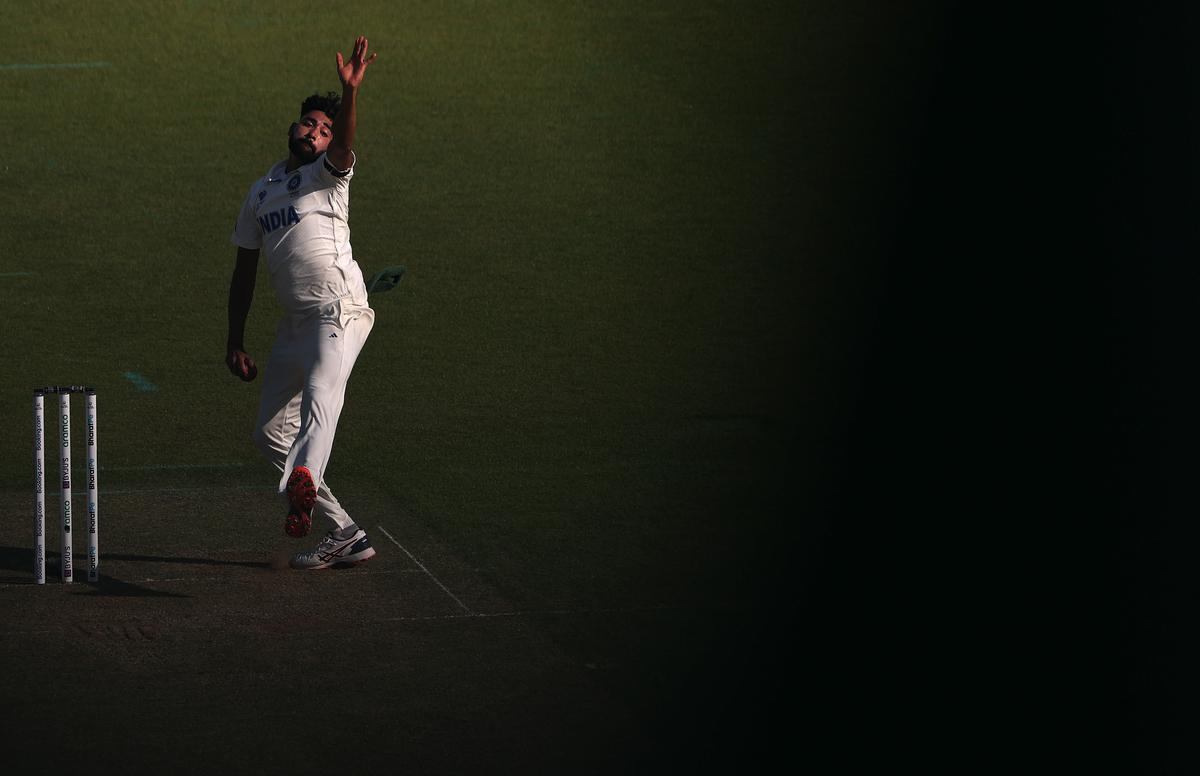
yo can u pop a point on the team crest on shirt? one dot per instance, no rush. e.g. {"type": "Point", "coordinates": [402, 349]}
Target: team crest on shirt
{"type": "Point", "coordinates": [293, 182]}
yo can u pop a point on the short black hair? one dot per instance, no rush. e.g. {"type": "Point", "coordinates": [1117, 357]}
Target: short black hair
{"type": "Point", "coordinates": [328, 103]}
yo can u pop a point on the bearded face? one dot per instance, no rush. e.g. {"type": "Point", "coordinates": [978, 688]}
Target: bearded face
{"type": "Point", "coordinates": [310, 136]}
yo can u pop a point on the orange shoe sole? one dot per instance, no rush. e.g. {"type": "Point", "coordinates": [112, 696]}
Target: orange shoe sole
{"type": "Point", "coordinates": [301, 490]}
{"type": "Point", "coordinates": [297, 524]}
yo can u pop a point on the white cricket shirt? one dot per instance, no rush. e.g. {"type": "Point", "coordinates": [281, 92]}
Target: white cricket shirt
{"type": "Point", "coordinates": [299, 221]}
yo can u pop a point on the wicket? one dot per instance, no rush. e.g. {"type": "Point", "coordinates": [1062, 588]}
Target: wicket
{"type": "Point", "coordinates": [39, 482]}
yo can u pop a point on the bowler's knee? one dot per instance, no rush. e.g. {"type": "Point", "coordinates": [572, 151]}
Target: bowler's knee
{"type": "Point", "coordinates": [264, 440]}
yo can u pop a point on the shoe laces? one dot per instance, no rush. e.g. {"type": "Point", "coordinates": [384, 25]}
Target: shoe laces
{"type": "Point", "coordinates": [328, 543]}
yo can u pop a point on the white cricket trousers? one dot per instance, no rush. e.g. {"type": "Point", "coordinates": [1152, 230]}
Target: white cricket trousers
{"type": "Point", "coordinates": [304, 388]}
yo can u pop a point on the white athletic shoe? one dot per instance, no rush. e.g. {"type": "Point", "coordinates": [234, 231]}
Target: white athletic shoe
{"type": "Point", "coordinates": [336, 553]}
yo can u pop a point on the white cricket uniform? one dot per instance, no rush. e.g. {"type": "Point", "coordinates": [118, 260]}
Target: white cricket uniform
{"type": "Point", "coordinates": [299, 222]}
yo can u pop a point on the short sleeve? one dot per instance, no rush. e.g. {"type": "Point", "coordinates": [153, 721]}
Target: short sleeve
{"type": "Point", "coordinates": [330, 174]}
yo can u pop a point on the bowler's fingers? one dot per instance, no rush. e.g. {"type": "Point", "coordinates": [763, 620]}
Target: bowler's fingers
{"type": "Point", "coordinates": [361, 51]}
{"type": "Point", "coordinates": [358, 57]}
{"type": "Point", "coordinates": [242, 366]}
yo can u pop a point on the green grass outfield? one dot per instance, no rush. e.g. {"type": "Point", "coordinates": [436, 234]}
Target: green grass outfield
{"type": "Point", "coordinates": [596, 416]}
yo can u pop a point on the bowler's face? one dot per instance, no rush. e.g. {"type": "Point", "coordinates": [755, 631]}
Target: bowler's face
{"type": "Point", "coordinates": [310, 136]}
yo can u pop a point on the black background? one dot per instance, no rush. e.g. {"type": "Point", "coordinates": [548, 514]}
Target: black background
{"type": "Point", "coordinates": [1010, 570]}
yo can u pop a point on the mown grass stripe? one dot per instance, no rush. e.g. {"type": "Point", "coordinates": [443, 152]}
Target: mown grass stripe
{"type": "Point", "coordinates": [53, 65]}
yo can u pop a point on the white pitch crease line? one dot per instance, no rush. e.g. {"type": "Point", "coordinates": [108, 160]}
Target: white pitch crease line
{"type": "Point", "coordinates": [437, 581]}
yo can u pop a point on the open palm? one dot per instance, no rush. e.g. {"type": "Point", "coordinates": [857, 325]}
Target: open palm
{"type": "Point", "coordinates": [351, 72]}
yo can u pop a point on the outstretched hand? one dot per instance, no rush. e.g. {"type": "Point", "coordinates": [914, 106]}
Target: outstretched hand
{"type": "Point", "coordinates": [351, 72]}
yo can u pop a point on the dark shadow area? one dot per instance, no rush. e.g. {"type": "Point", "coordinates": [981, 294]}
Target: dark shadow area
{"type": "Point", "coordinates": [20, 559]}
{"type": "Point", "coordinates": [1014, 545]}
{"type": "Point", "coordinates": [184, 560]}
{"type": "Point", "coordinates": [109, 586]}
{"type": "Point", "coordinates": [1144, 615]}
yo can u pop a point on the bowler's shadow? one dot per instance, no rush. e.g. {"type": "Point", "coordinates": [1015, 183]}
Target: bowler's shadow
{"type": "Point", "coordinates": [16, 567]}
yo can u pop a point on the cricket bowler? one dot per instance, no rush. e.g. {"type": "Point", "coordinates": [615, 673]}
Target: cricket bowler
{"type": "Point", "coordinates": [297, 218]}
